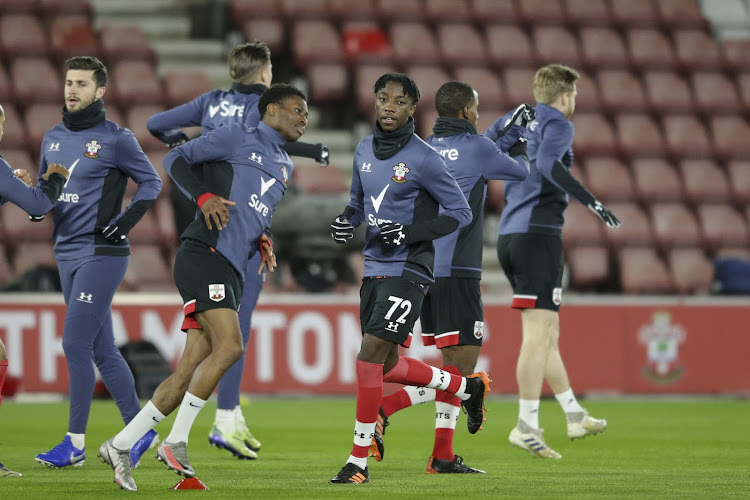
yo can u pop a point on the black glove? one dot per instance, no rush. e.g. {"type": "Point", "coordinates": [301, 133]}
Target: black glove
{"type": "Point", "coordinates": [342, 230]}
{"type": "Point", "coordinates": [393, 235]}
{"type": "Point", "coordinates": [113, 234]}
{"type": "Point", "coordinates": [182, 140]}
{"type": "Point", "coordinates": [567, 159]}
{"type": "Point", "coordinates": [324, 156]}
{"type": "Point", "coordinates": [519, 148]}
{"type": "Point", "coordinates": [36, 218]}
{"type": "Point", "coordinates": [523, 115]}
{"type": "Point", "coordinates": [604, 214]}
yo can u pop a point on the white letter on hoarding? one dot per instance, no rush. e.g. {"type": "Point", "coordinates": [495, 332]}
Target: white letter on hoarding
{"type": "Point", "coordinates": [350, 340]}
{"type": "Point", "coordinates": [264, 323]}
{"type": "Point", "coordinates": [317, 324]}
{"type": "Point", "coordinates": [14, 322]}
{"type": "Point", "coordinates": [170, 342]}
{"type": "Point", "coordinates": [118, 325]}
{"type": "Point", "coordinates": [50, 346]}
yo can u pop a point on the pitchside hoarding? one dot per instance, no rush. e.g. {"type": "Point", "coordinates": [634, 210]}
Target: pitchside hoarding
{"type": "Point", "coordinates": [303, 344]}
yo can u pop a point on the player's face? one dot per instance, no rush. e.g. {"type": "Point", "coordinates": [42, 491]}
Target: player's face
{"type": "Point", "coordinates": [392, 107]}
{"type": "Point", "coordinates": [291, 118]}
{"type": "Point", "coordinates": [472, 111]}
{"type": "Point", "coordinates": [80, 89]}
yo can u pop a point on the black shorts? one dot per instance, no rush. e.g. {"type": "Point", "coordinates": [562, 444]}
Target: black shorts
{"type": "Point", "coordinates": [389, 307]}
{"type": "Point", "coordinates": [533, 263]}
{"type": "Point", "coordinates": [206, 280]}
{"type": "Point", "coordinates": [452, 313]}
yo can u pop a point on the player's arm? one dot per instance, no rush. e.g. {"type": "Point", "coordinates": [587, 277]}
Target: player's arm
{"type": "Point", "coordinates": [37, 201]}
{"type": "Point", "coordinates": [318, 152]}
{"type": "Point", "coordinates": [40, 182]}
{"type": "Point", "coordinates": [511, 166]}
{"type": "Point", "coordinates": [167, 125]}
{"type": "Point", "coordinates": [342, 227]}
{"type": "Point", "coordinates": [507, 130]}
{"type": "Point", "coordinates": [554, 160]}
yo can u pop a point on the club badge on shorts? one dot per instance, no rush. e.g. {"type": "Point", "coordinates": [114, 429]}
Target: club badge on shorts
{"type": "Point", "coordinates": [478, 329]}
{"type": "Point", "coordinates": [216, 292]}
{"type": "Point", "coordinates": [557, 296]}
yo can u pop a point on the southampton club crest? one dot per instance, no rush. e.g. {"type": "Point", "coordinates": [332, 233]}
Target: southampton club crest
{"type": "Point", "coordinates": [401, 170]}
{"type": "Point", "coordinates": [662, 339]}
{"type": "Point", "coordinates": [216, 292]}
{"type": "Point", "coordinates": [284, 174]}
{"type": "Point", "coordinates": [92, 149]}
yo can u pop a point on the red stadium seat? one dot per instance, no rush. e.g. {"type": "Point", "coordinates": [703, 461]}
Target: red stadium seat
{"type": "Point", "coordinates": [642, 271]}
{"type": "Point", "coordinates": [17, 227]}
{"type": "Point", "coordinates": [125, 42]}
{"type": "Point", "coordinates": [183, 86]}
{"type": "Point", "coordinates": [488, 116]}
{"type": "Point", "coordinates": [365, 77]}
{"type": "Point", "coordinates": [650, 48]}
{"type": "Point", "coordinates": [508, 45]}
{"type": "Point", "coordinates": [495, 200]}
{"type": "Point", "coordinates": [743, 84]}
{"type": "Point", "coordinates": [667, 91]}
{"type": "Point", "coordinates": [248, 9]}
{"type": "Point", "coordinates": [20, 159]}
{"type": "Point", "coordinates": [30, 255]}
{"type": "Point", "coordinates": [322, 181]}
{"type": "Point", "coordinates": [295, 10]}
{"type": "Point", "coordinates": [736, 53]}
{"type": "Point", "coordinates": [270, 31]}
{"type": "Point", "coordinates": [148, 270]}
{"type": "Point", "coordinates": [621, 91]}
{"type": "Point", "coordinates": [704, 181]}
{"type": "Point", "coordinates": [593, 135]}
{"type": "Point", "coordinates": [486, 83]}
{"type": "Point", "coordinates": [14, 130]}
{"type": "Point", "coordinates": [581, 226]}
{"type": "Point", "coordinates": [39, 119]}
{"type": "Point", "coordinates": [440, 11]}
{"type": "Point", "coordinates": [22, 35]}
{"type": "Point", "coordinates": [518, 84]}
{"type": "Point", "coordinates": [588, 12]}
{"type": "Point", "coordinates": [6, 87]}
{"type": "Point", "coordinates": [696, 49]}
{"type": "Point", "coordinates": [722, 226]}
{"type": "Point", "coordinates": [714, 94]}
{"type": "Point", "coordinates": [461, 44]}
{"type": "Point", "coordinates": [730, 135]}
{"type": "Point", "coordinates": [589, 266]}
{"type": "Point", "coordinates": [114, 115]}
{"type": "Point", "coordinates": [16, 6]}
{"type": "Point", "coordinates": [733, 253]}
{"type": "Point", "coordinates": [536, 12]}
{"type": "Point", "coordinates": [51, 8]}
{"type": "Point", "coordinates": [365, 42]}
{"type": "Point", "coordinates": [635, 13]}
{"type": "Point", "coordinates": [425, 121]}
{"type": "Point", "coordinates": [165, 219]}
{"type": "Point", "coordinates": [603, 47]}
{"type": "Point", "coordinates": [681, 13]}
{"type": "Point", "coordinates": [691, 271]}
{"type": "Point", "coordinates": [686, 136]}
{"type": "Point", "coordinates": [35, 80]}
{"type": "Point", "coordinates": [316, 41]}
{"type": "Point", "coordinates": [413, 43]}
{"type": "Point", "coordinates": [554, 44]}
{"type": "Point", "coordinates": [346, 10]}
{"type": "Point", "coordinates": [639, 135]}
{"type": "Point", "coordinates": [495, 11]}
{"type": "Point", "coordinates": [609, 179]}
{"type": "Point", "coordinates": [656, 180]}
{"type": "Point", "coordinates": [137, 116]}
{"type": "Point", "coordinates": [328, 82]}
{"type": "Point", "coordinates": [739, 181]}
{"type": "Point", "coordinates": [71, 35]}
{"type": "Point", "coordinates": [147, 229]}
{"type": "Point", "coordinates": [136, 83]}
{"type": "Point", "coordinates": [635, 229]}
{"type": "Point", "coordinates": [403, 10]}
{"type": "Point", "coordinates": [588, 96]}
{"type": "Point", "coordinates": [429, 79]}
{"type": "Point", "coordinates": [675, 226]}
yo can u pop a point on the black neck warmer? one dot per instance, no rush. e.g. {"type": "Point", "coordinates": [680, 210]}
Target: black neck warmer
{"type": "Point", "coordinates": [387, 144]}
{"type": "Point", "coordinates": [445, 127]}
{"type": "Point", "coordinates": [255, 88]}
{"type": "Point", "coordinates": [91, 115]}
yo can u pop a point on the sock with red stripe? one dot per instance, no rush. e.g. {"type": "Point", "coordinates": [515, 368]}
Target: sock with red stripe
{"type": "Point", "coordinates": [369, 395]}
{"type": "Point", "coordinates": [409, 371]}
{"type": "Point", "coordinates": [446, 415]}
{"type": "Point", "coordinates": [406, 397]}
{"type": "Point", "coordinates": [3, 370]}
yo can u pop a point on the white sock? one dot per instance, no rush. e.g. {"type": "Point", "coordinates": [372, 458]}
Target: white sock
{"type": "Point", "coordinates": [146, 420]}
{"type": "Point", "coordinates": [359, 462]}
{"type": "Point", "coordinates": [528, 411]}
{"type": "Point", "coordinates": [461, 393]}
{"type": "Point", "coordinates": [225, 420]}
{"type": "Point", "coordinates": [363, 433]}
{"type": "Point", "coordinates": [239, 418]}
{"type": "Point", "coordinates": [78, 440]}
{"type": "Point", "coordinates": [189, 408]}
{"type": "Point", "coordinates": [446, 415]}
{"type": "Point", "coordinates": [568, 402]}
{"type": "Point", "coordinates": [419, 395]}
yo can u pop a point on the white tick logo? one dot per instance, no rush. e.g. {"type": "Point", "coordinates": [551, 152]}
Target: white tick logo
{"type": "Point", "coordinates": [264, 186]}
{"type": "Point", "coordinates": [212, 110]}
{"type": "Point", "coordinates": [70, 170]}
{"type": "Point", "coordinates": [377, 201]}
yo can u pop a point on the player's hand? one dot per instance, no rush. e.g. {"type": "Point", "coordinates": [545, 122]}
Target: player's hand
{"type": "Point", "coordinates": [182, 140]}
{"type": "Point", "coordinates": [24, 175]}
{"type": "Point", "coordinates": [323, 156]}
{"type": "Point", "coordinates": [267, 257]}
{"type": "Point", "coordinates": [604, 214]}
{"type": "Point", "coordinates": [342, 230]}
{"type": "Point", "coordinates": [55, 168]}
{"type": "Point", "coordinates": [216, 207]}
{"type": "Point", "coordinates": [523, 115]}
{"type": "Point", "coordinates": [112, 234]}
{"type": "Point", "coordinates": [393, 235]}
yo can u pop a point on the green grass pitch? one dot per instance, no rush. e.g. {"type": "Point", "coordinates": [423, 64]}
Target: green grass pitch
{"type": "Point", "coordinates": [654, 448]}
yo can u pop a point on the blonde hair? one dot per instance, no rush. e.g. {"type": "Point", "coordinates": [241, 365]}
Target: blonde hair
{"type": "Point", "coordinates": [245, 61]}
{"type": "Point", "coordinates": [551, 81]}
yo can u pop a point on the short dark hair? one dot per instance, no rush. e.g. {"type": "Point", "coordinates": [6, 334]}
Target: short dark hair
{"type": "Point", "coordinates": [452, 97]}
{"type": "Point", "coordinates": [89, 63]}
{"type": "Point", "coordinates": [277, 93]}
{"type": "Point", "coordinates": [245, 61]}
{"type": "Point", "coordinates": [410, 87]}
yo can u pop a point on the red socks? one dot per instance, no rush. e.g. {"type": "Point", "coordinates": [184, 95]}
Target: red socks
{"type": "Point", "coordinates": [447, 406]}
{"type": "Point", "coordinates": [409, 371]}
{"type": "Point", "coordinates": [369, 395]}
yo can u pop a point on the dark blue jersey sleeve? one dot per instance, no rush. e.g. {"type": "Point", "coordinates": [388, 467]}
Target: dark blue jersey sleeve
{"type": "Point", "coordinates": [34, 200]}
{"type": "Point", "coordinates": [131, 159]}
{"type": "Point", "coordinates": [557, 139]}
{"type": "Point", "coordinates": [167, 125]}
{"type": "Point", "coordinates": [497, 164]}
{"type": "Point", "coordinates": [357, 199]}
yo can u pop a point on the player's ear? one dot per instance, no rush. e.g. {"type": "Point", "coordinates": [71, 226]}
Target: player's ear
{"type": "Point", "coordinates": [100, 92]}
{"type": "Point", "coordinates": [412, 109]}
{"type": "Point", "coordinates": [272, 109]}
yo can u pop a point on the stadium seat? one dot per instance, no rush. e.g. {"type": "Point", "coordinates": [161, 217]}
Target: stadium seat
{"type": "Point", "coordinates": [733, 253]}
{"type": "Point", "coordinates": [555, 44]}
{"type": "Point", "coordinates": [183, 86]}
{"type": "Point", "coordinates": [241, 10]}
{"type": "Point", "coordinates": [518, 84]}
{"type": "Point", "coordinates": [328, 82]}
{"type": "Point", "coordinates": [704, 181]}
{"type": "Point", "coordinates": [587, 12]}
{"type": "Point", "coordinates": [39, 119]}
{"type": "Point", "coordinates": [147, 229]}
{"type": "Point", "coordinates": [22, 35]}
{"type": "Point", "coordinates": [413, 43]}
{"type": "Point", "coordinates": [30, 255]}
{"type": "Point", "coordinates": [730, 135]}
{"type": "Point", "coordinates": [635, 229]}
{"type": "Point", "coordinates": [743, 84]}
{"type": "Point", "coordinates": [594, 135]}
{"type": "Point", "coordinates": [674, 226]}
{"type": "Point", "coordinates": [18, 229]}
{"type": "Point", "coordinates": [603, 47]}
{"type": "Point", "coordinates": [656, 180]}
{"type": "Point", "coordinates": [455, 11]}
{"type": "Point", "coordinates": [639, 135]}
{"type": "Point", "coordinates": [667, 91]}
{"type": "Point", "coordinates": [697, 49]}
{"type": "Point", "coordinates": [686, 136]}
{"type": "Point", "coordinates": [581, 226]}
{"type": "Point", "coordinates": [588, 96]}
{"type": "Point", "coordinates": [6, 87]}
{"type": "Point", "coordinates": [649, 48]}
{"type": "Point", "coordinates": [621, 90]}
{"type": "Point", "coordinates": [609, 179]}
{"type": "Point", "coordinates": [137, 116]}
{"type": "Point", "coordinates": [296, 10]}
{"type": "Point", "coordinates": [136, 83]}
{"type": "Point", "coordinates": [739, 181]}
{"type": "Point", "coordinates": [316, 41]}
{"type": "Point", "coordinates": [6, 273]}
{"type": "Point", "coordinates": [589, 266]}
{"type": "Point", "coordinates": [736, 53]}
{"type": "Point", "coordinates": [495, 199]}
{"type": "Point", "coordinates": [714, 94]}
{"type": "Point", "coordinates": [488, 116]}
{"type": "Point", "coordinates": [461, 44]}
{"type": "Point", "coordinates": [320, 181]}
{"type": "Point", "coordinates": [535, 12]}
{"type": "Point", "coordinates": [508, 45]}
{"type": "Point", "coordinates": [346, 10]}
{"type": "Point", "coordinates": [722, 226]}
{"type": "Point", "coordinates": [365, 77]}
{"type": "Point", "coordinates": [365, 42]}
{"type": "Point", "coordinates": [14, 130]}
{"type": "Point", "coordinates": [270, 31]}
{"type": "Point", "coordinates": [641, 13]}
{"type": "Point", "coordinates": [148, 270]}
{"type": "Point", "coordinates": [18, 6]}
{"type": "Point", "coordinates": [681, 13]}
{"type": "Point", "coordinates": [71, 35]}
{"type": "Point", "coordinates": [20, 159]}
{"type": "Point", "coordinates": [642, 271]}
{"type": "Point", "coordinates": [114, 115]}
{"type": "Point", "coordinates": [429, 79]}
{"type": "Point", "coordinates": [691, 271]}
{"type": "Point", "coordinates": [495, 11]}
{"type": "Point", "coordinates": [165, 219]}
{"type": "Point", "coordinates": [425, 121]}
{"type": "Point", "coordinates": [403, 10]}
{"type": "Point", "coordinates": [486, 83]}
{"type": "Point", "coordinates": [35, 80]}
{"type": "Point", "coordinates": [120, 41]}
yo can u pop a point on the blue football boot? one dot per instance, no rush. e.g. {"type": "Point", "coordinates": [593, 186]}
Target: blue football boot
{"type": "Point", "coordinates": [63, 455]}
